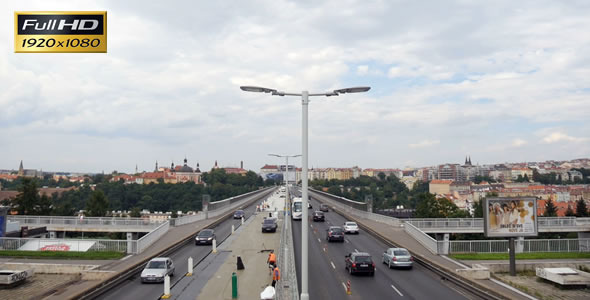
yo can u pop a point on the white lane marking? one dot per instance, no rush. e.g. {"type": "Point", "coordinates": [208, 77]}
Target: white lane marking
{"type": "Point", "coordinates": [333, 266]}
{"type": "Point", "coordinates": [401, 295]}
{"type": "Point", "coordinates": [311, 225]}
{"type": "Point", "coordinates": [356, 250]}
{"type": "Point", "coordinates": [347, 241]}
{"type": "Point", "coordinates": [344, 285]}
{"type": "Point", "coordinates": [319, 240]}
{"type": "Point", "coordinates": [126, 257]}
{"type": "Point", "coordinates": [324, 249]}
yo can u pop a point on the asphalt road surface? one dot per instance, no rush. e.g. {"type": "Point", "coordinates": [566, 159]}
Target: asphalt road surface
{"type": "Point", "coordinates": [133, 288]}
{"type": "Point", "coordinates": [328, 276]}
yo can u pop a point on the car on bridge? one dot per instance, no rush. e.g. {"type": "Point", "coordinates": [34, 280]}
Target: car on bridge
{"type": "Point", "coordinates": [269, 225]}
{"type": "Point", "coordinates": [318, 216]}
{"type": "Point", "coordinates": [351, 227]}
{"type": "Point", "coordinates": [238, 214]}
{"type": "Point", "coordinates": [335, 233]}
{"type": "Point", "coordinates": [157, 269]}
{"type": "Point", "coordinates": [359, 262]}
{"type": "Point", "coordinates": [205, 237]}
{"type": "Point", "coordinates": [398, 257]}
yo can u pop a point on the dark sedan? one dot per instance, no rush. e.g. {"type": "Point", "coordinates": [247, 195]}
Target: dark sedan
{"type": "Point", "coordinates": [238, 214]}
{"type": "Point", "coordinates": [205, 237]}
{"type": "Point", "coordinates": [318, 216]}
{"type": "Point", "coordinates": [269, 225]}
{"type": "Point", "coordinates": [335, 233]}
{"type": "Point", "coordinates": [359, 262]}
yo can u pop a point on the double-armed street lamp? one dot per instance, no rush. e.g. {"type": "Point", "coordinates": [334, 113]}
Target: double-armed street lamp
{"type": "Point", "coordinates": [304, 175]}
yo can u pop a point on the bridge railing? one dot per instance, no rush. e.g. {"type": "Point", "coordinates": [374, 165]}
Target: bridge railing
{"type": "Point", "coordinates": [84, 222]}
{"type": "Point", "coordinates": [287, 289]}
{"type": "Point", "coordinates": [345, 205]}
{"type": "Point", "coordinates": [151, 237]}
{"type": "Point", "coordinates": [527, 245]}
{"type": "Point", "coordinates": [189, 219]}
{"type": "Point", "coordinates": [423, 238]}
{"type": "Point", "coordinates": [477, 223]}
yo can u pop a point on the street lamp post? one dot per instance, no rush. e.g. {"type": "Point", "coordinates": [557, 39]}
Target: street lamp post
{"type": "Point", "coordinates": [304, 176]}
{"type": "Point", "coordinates": [287, 175]}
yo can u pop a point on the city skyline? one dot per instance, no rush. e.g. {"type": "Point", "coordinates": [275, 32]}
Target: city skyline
{"type": "Point", "coordinates": [501, 81]}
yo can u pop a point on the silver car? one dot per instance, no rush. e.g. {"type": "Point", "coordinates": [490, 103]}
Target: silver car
{"type": "Point", "coordinates": [157, 269]}
{"type": "Point", "coordinates": [398, 257]}
{"type": "Point", "coordinates": [351, 227]}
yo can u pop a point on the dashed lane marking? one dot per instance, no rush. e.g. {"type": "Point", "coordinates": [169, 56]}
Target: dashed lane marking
{"type": "Point", "coordinates": [356, 250]}
{"type": "Point", "coordinates": [401, 295]}
{"type": "Point", "coordinates": [346, 241]}
{"type": "Point", "coordinates": [344, 285]}
{"type": "Point", "coordinates": [319, 240]}
{"type": "Point", "coordinates": [333, 266]}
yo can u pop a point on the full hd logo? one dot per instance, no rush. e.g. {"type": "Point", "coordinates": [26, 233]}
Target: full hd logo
{"type": "Point", "coordinates": [60, 31]}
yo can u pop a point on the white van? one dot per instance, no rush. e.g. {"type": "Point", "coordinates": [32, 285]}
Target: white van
{"type": "Point", "coordinates": [296, 209]}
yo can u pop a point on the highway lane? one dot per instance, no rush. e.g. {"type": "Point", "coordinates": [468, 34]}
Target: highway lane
{"type": "Point", "coordinates": [327, 274]}
{"type": "Point", "coordinates": [134, 289]}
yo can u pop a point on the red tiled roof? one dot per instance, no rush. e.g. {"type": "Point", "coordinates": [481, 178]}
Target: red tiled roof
{"type": "Point", "coordinates": [273, 167]}
{"type": "Point", "coordinates": [438, 181]}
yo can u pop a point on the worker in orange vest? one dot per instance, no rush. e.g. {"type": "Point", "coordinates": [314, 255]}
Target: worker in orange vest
{"type": "Point", "coordinates": [272, 259]}
{"type": "Point", "coordinates": [276, 276]}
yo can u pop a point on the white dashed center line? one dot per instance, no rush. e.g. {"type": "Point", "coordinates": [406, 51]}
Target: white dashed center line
{"type": "Point", "coordinates": [333, 266]}
{"type": "Point", "coordinates": [397, 291]}
{"type": "Point", "coordinates": [319, 240]}
{"type": "Point", "coordinates": [356, 250]}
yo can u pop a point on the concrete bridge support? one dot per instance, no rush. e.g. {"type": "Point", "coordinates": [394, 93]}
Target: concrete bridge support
{"type": "Point", "coordinates": [131, 236]}
{"type": "Point", "coordinates": [443, 248]}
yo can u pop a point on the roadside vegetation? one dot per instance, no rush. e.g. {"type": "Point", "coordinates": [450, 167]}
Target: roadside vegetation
{"type": "Point", "coordinates": [92, 255]}
{"type": "Point", "coordinates": [98, 196]}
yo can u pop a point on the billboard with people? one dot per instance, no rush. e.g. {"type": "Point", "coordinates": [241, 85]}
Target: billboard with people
{"type": "Point", "coordinates": [510, 217]}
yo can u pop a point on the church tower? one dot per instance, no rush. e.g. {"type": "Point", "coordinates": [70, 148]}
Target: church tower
{"type": "Point", "coordinates": [21, 170]}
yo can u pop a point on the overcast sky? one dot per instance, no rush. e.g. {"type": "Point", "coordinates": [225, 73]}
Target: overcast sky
{"type": "Point", "coordinates": [502, 81]}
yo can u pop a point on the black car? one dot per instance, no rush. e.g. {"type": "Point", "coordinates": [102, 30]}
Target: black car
{"type": "Point", "coordinates": [269, 225]}
{"type": "Point", "coordinates": [335, 233]}
{"type": "Point", "coordinates": [238, 214]}
{"type": "Point", "coordinates": [205, 237]}
{"type": "Point", "coordinates": [324, 207]}
{"type": "Point", "coordinates": [359, 262]}
{"type": "Point", "coordinates": [318, 216]}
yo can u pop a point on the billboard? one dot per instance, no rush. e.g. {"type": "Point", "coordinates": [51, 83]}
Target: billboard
{"type": "Point", "coordinates": [510, 217]}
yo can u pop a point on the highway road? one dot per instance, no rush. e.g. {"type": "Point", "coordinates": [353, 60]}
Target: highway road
{"type": "Point", "coordinates": [327, 275]}
{"type": "Point", "coordinates": [134, 289]}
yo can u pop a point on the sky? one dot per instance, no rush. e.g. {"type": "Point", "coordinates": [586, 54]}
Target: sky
{"type": "Point", "coordinates": [501, 81]}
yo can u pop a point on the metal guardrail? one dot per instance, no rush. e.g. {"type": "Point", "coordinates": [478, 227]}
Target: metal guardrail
{"type": "Point", "coordinates": [287, 287]}
{"type": "Point", "coordinates": [423, 238]}
{"type": "Point", "coordinates": [73, 244]}
{"type": "Point", "coordinates": [522, 246]}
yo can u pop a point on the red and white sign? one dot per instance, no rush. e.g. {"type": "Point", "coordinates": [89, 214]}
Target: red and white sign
{"type": "Point", "coordinates": [56, 247]}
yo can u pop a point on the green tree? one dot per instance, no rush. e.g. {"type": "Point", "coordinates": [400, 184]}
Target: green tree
{"type": "Point", "coordinates": [581, 208]}
{"type": "Point", "coordinates": [478, 209]}
{"type": "Point", "coordinates": [97, 205]}
{"type": "Point", "coordinates": [27, 198]}
{"type": "Point", "coordinates": [550, 210]}
{"type": "Point", "coordinates": [135, 212]}
{"type": "Point", "coordinates": [44, 206]}
{"type": "Point", "coordinates": [570, 212]}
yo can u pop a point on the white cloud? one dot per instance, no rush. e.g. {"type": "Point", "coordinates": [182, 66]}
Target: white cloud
{"type": "Point", "coordinates": [362, 70]}
{"type": "Point", "coordinates": [486, 74]}
{"type": "Point", "coordinates": [556, 137]}
{"type": "Point", "coordinates": [424, 144]}
{"type": "Point", "coordinates": [518, 142]}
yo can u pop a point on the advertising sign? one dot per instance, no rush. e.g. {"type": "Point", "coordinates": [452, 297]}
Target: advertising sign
{"type": "Point", "coordinates": [60, 31]}
{"type": "Point", "coordinates": [510, 217]}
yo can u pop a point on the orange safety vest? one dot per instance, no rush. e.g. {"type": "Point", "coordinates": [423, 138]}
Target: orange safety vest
{"type": "Point", "coordinates": [272, 258]}
{"type": "Point", "coordinates": [276, 275]}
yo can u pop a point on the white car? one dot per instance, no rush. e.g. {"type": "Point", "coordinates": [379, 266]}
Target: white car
{"type": "Point", "coordinates": [351, 227]}
{"type": "Point", "coordinates": [157, 269]}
